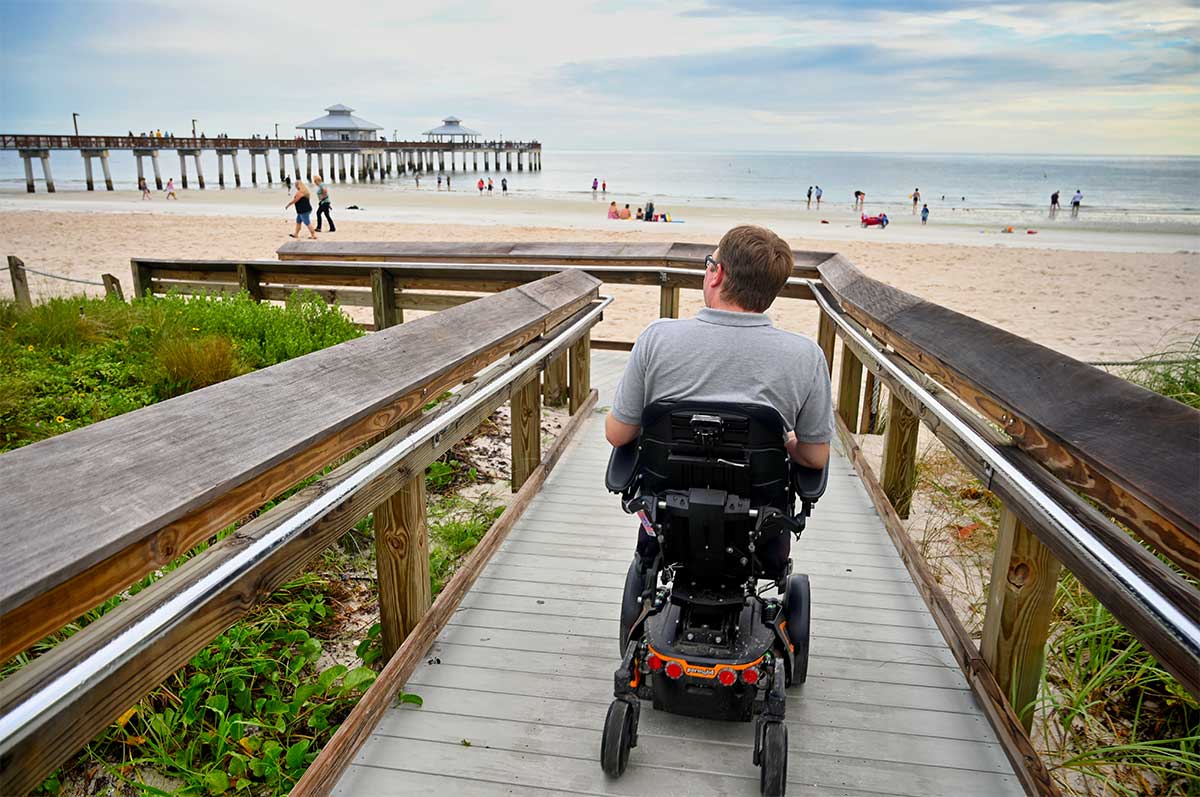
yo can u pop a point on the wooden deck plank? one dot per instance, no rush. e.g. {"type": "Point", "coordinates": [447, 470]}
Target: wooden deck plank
{"type": "Point", "coordinates": [524, 668]}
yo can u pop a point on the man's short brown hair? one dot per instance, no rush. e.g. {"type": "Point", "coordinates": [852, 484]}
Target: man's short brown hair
{"type": "Point", "coordinates": [757, 264]}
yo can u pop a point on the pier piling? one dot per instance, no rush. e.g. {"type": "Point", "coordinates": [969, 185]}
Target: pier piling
{"type": "Point", "coordinates": [195, 159]}
{"type": "Point", "coordinates": [237, 175]}
{"type": "Point", "coordinates": [341, 167]}
{"type": "Point", "coordinates": [87, 171]}
{"type": "Point", "coordinates": [220, 169]}
{"type": "Point", "coordinates": [28, 158]}
{"type": "Point", "coordinates": [108, 183]}
{"type": "Point", "coordinates": [140, 171]}
{"type": "Point", "coordinates": [182, 169]}
{"type": "Point", "coordinates": [296, 165]}
{"type": "Point", "coordinates": [158, 184]}
{"type": "Point", "coordinates": [253, 168]}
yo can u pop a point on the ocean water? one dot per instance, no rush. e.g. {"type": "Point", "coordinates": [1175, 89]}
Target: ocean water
{"type": "Point", "coordinates": [1140, 192]}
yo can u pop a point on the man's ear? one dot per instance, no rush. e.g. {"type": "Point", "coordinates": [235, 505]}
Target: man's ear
{"type": "Point", "coordinates": [718, 276]}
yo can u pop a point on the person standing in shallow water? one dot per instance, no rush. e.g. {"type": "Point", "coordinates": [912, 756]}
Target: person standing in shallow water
{"type": "Point", "coordinates": [809, 205]}
{"type": "Point", "coordinates": [1054, 204]}
{"type": "Point", "coordinates": [916, 198]}
{"type": "Point", "coordinates": [595, 185]}
{"type": "Point", "coordinates": [1076, 201]}
{"type": "Point", "coordinates": [504, 185]}
{"type": "Point", "coordinates": [324, 204]}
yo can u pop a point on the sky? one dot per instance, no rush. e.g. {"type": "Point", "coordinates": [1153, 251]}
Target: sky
{"type": "Point", "coordinates": [1075, 78]}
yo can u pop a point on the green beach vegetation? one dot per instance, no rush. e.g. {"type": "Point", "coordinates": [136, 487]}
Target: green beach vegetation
{"type": "Point", "coordinates": [249, 712]}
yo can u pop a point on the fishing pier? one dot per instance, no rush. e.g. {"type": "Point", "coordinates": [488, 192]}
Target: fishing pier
{"type": "Point", "coordinates": [361, 160]}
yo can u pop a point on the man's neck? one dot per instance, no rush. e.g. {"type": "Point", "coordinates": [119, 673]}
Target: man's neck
{"type": "Point", "coordinates": [720, 304]}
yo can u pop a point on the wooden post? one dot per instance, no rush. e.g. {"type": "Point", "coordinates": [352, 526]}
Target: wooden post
{"type": "Point", "coordinates": [1020, 603]}
{"type": "Point", "coordinates": [668, 301]}
{"type": "Point", "coordinates": [383, 299]}
{"type": "Point", "coordinates": [402, 562]}
{"type": "Point", "coordinates": [849, 385]}
{"type": "Point", "coordinates": [112, 287]}
{"type": "Point", "coordinates": [141, 280]}
{"type": "Point", "coordinates": [826, 336]}
{"type": "Point", "coordinates": [870, 409]}
{"type": "Point", "coordinates": [248, 281]}
{"type": "Point", "coordinates": [554, 387]}
{"type": "Point", "coordinates": [20, 284]}
{"type": "Point", "coordinates": [581, 372]}
{"type": "Point", "coordinates": [526, 411]}
{"type": "Point", "coordinates": [900, 456]}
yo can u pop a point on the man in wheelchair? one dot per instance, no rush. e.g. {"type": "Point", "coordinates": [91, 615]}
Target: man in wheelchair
{"type": "Point", "coordinates": [718, 423]}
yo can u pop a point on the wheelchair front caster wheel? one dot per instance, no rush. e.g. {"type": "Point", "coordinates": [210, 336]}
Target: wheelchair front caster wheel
{"type": "Point", "coordinates": [773, 763]}
{"type": "Point", "coordinates": [617, 739]}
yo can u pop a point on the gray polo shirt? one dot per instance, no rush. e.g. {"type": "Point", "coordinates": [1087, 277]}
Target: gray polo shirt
{"type": "Point", "coordinates": [728, 356]}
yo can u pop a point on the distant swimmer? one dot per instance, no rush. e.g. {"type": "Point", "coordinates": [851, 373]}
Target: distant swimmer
{"type": "Point", "coordinates": [1075, 202]}
{"type": "Point", "coordinates": [1054, 204]}
{"type": "Point", "coordinates": [916, 198]}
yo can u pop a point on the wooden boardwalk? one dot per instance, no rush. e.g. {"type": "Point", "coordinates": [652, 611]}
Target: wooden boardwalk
{"type": "Point", "coordinates": [516, 688]}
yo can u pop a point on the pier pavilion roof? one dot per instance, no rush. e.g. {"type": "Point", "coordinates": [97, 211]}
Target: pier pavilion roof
{"type": "Point", "coordinates": [339, 117]}
{"type": "Point", "coordinates": [451, 128]}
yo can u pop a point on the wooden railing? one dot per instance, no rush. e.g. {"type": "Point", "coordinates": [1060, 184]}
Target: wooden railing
{"type": "Point", "coordinates": [51, 141]}
{"type": "Point", "coordinates": [1040, 430]}
{"type": "Point", "coordinates": [84, 514]}
{"type": "Point", "coordinates": [1043, 432]}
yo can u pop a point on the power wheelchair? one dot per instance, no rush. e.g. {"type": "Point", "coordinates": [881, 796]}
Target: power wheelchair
{"type": "Point", "coordinates": [713, 483]}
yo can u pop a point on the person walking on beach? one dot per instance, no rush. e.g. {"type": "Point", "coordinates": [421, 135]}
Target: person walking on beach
{"type": "Point", "coordinates": [439, 181]}
{"type": "Point", "coordinates": [1075, 202]}
{"type": "Point", "coordinates": [504, 185]}
{"type": "Point", "coordinates": [417, 180]}
{"type": "Point", "coordinates": [1054, 204]}
{"type": "Point", "coordinates": [916, 198]}
{"type": "Point", "coordinates": [595, 183]}
{"type": "Point", "coordinates": [303, 210]}
{"type": "Point", "coordinates": [479, 185]}
{"type": "Point", "coordinates": [925, 214]}
{"type": "Point", "coordinates": [447, 182]}
{"type": "Point", "coordinates": [489, 186]}
{"type": "Point", "coordinates": [818, 194]}
{"type": "Point", "coordinates": [171, 189]}
{"type": "Point", "coordinates": [145, 188]}
{"type": "Point", "coordinates": [324, 204]}
{"type": "Point", "coordinates": [809, 205]}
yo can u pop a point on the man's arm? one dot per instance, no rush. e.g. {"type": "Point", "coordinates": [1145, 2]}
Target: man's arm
{"type": "Point", "coordinates": [618, 432]}
{"type": "Point", "coordinates": [810, 455]}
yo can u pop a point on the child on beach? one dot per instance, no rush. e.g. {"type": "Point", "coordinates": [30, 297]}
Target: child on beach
{"type": "Point", "coordinates": [171, 189]}
{"type": "Point", "coordinates": [144, 187]}
{"type": "Point", "coordinates": [925, 214]}
{"type": "Point", "coordinates": [479, 185]}
{"type": "Point", "coordinates": [303, 210]}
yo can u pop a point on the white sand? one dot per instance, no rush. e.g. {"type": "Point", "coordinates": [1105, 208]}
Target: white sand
{"type": "Point", "coordinates": [1088, 294]}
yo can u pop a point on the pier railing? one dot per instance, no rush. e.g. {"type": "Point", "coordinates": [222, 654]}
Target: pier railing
{"type": "Point", "coordinates": [86, 513]}
{"type": "Point", "coordinates": [42, 142]}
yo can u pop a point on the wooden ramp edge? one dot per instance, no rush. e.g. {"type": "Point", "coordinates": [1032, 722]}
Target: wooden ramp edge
{"type": "Point", "coordinates": [515, 687]}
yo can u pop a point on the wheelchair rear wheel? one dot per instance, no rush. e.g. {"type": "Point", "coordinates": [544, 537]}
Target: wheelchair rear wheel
{"type": "Point", "coordinates": [617, 738]}
{"type": "Point", "coordinates": [798, 608]}
{"type": "Point", "coordinates": [773, 765]}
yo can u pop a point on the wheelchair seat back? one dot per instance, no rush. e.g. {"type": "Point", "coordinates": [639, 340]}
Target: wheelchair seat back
{"type": "Point", "coordinates": [712, 463]}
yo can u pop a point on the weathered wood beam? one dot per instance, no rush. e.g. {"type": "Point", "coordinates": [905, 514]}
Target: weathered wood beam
{"type": "Point", "coordinates": [1019, 608]}
{"type": "Point", "coordinates": [900, 455]}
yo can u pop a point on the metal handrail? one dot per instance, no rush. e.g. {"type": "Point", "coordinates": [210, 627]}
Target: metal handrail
{"type": "Point", "coordinates": [18, 722]}
{"type": "Point", "coordinates": [1052, 514]}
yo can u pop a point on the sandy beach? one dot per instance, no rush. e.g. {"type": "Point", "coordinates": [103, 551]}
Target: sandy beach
{"type": "Point", "coordinates": [1097, 296]}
